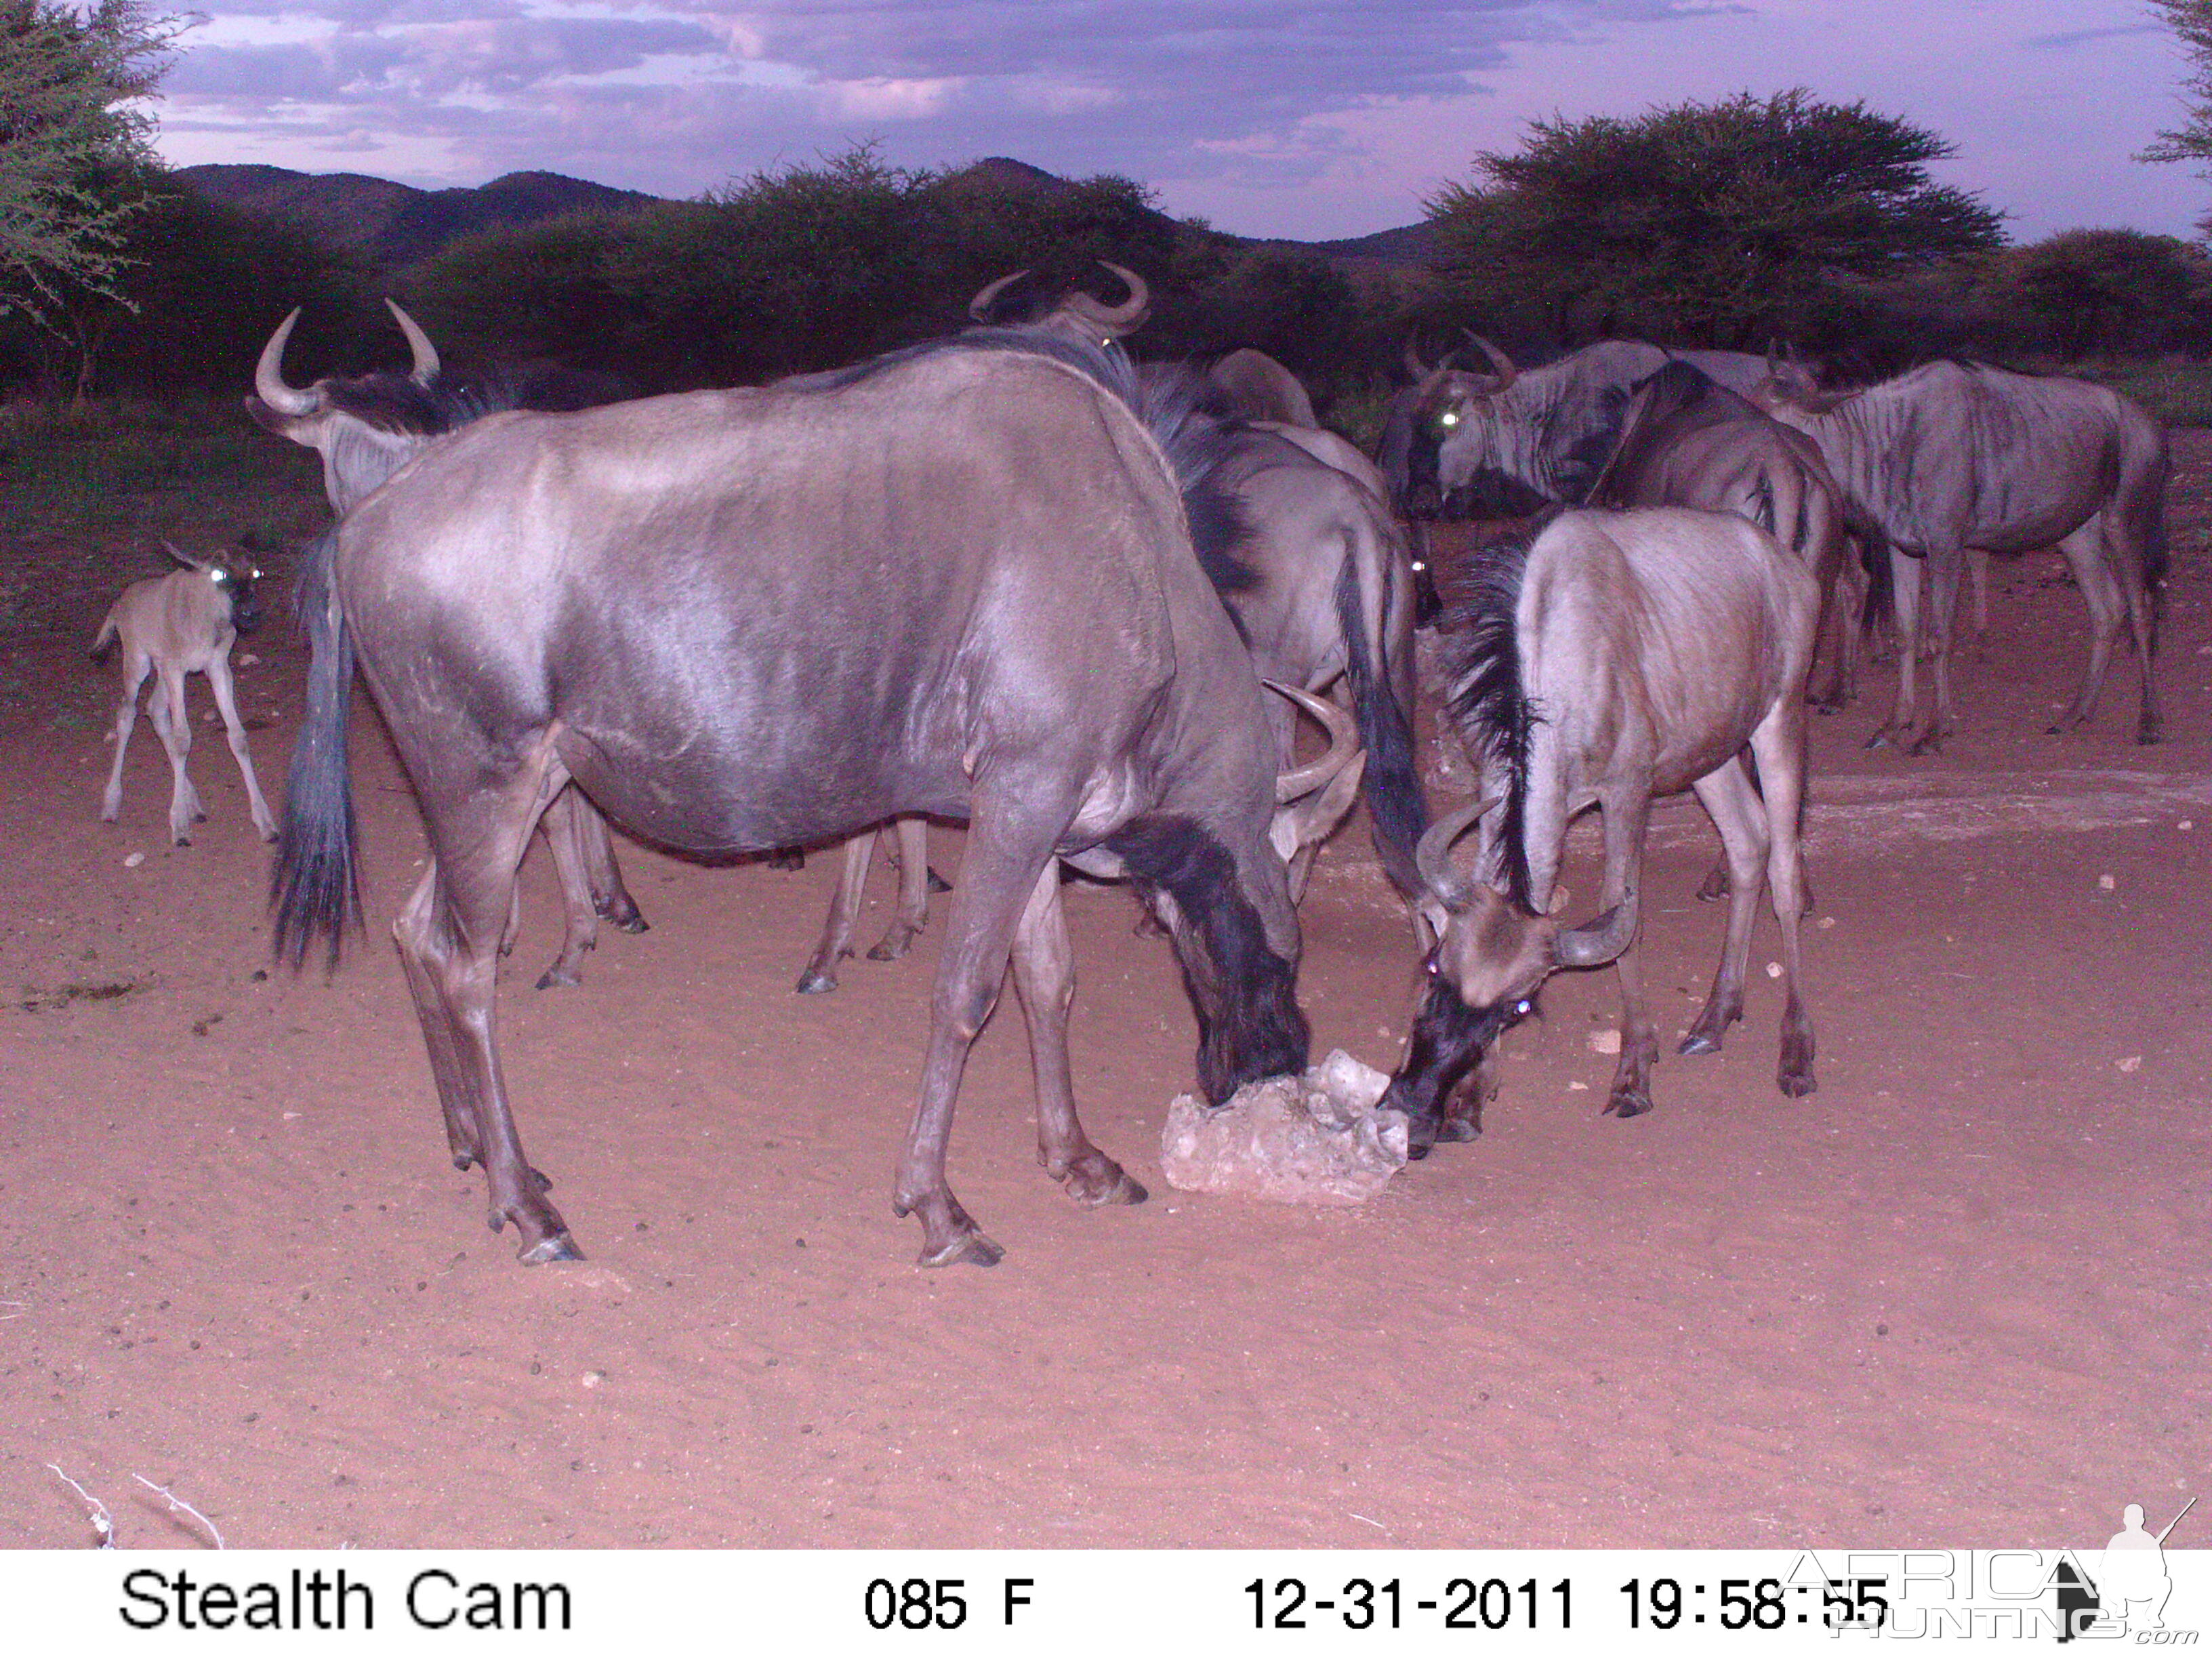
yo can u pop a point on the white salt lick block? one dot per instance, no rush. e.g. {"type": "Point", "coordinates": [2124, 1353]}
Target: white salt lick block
{"type": "Point", "coordinates": [1320, 1139]}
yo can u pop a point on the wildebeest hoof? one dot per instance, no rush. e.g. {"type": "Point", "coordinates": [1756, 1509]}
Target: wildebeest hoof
{"type": "Point", "coordinates": [893, 946]}
{"type": "Point", "coordinates": [1796, 1085]}
{"type": "Point", "coordinates": [1097, 1180]}
{"type": "Point", "coordinates": [2149, 732]}
{"type": "Point", "coordinates": [1700, 1042]}
{"type": "Point", "coordinates": [971, 1247]}
{"type": "Point", "coordinates": [813, 982]}
{"type": "Point", "coordinates": [558, 976]}
{"type": "Point", "coordinates": [1714, 886]}
{"type": "Point", "coordinates": [937, 883]}
{"type": "Point", "coordinates": [1629, 1103]}
{"type": "Point", "coordinates": [465, 1161]}
{"type": "Point", "coordinates": [788, 857]}
{"type": "Point", "coordinates": [632, 923]}
{"type": "Point", "coordinates": [558, 1246]}
{"type": "Point", "coordinates": [1927, 744]}
{"type": "Point", "coordinates": [1459, 1130]}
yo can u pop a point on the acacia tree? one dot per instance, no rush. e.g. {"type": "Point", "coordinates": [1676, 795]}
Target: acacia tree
{"type": "Point", "coordinates": [2191, 21]}
{"type": "Point", "coordinates": [1718, 223]}
{"type": "Point", "coordinates": [75, 146]}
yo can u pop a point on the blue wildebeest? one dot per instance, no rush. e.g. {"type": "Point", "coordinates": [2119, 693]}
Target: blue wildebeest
{"type": "Point", "coordinates": [1259, 388]}
{"type": "Point", "coordinates": [1687, 441]}
{"type": "Point", "coordinates": [168, 627]}
{"type": "Point", "coordinates": [365, 428]}
{"type": "Point", "coordinates": [1010, 301]}
{"type": "Point", "coordinates": [959, 579]}
{"type": "Point", "coordinates": [1316, 577]}
{"type": "Point", "coordinates": [1549, 429]}
{"type": "Point", "coordinates": [1618, 657]}
{"type": "Point", "coordinates": [1953, 456]}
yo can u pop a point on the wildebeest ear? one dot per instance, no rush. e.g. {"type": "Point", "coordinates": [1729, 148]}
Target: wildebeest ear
{"type": "Point", "coordinates": [183, 558]}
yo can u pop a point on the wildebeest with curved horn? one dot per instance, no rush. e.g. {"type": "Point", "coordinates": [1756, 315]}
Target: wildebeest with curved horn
{"type": "Point", "coordinates": [1318, 582]}
{"type": "Point", "coordinates": [365, 428]}
{"type": "Point", "coordinates": [753, 619]}
{"type": "Point", "coordinates": [1618, 657]}
{"type": "Point", "coordinates": [1550, 428]}
{"type": "Point", "coordinates": [1953, 455]}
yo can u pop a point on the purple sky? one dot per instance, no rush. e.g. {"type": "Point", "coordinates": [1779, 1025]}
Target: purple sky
{"type": "Point", "coordinates": [1268, 116]}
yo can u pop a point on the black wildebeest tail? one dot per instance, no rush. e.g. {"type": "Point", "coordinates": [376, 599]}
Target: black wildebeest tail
{"type": "Point", "coordinates": [314, 888]}
{"type": "Point", "coordinates": [1397, 810]}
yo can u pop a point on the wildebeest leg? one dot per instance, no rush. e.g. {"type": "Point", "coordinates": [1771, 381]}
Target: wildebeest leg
{"type": "Point", "coordinates": [135, 667]}
{"type": "Point", "coordinates": [563, 839]}
{"type": "Point", "coordinates": [2150, 724]}
{"type": "Point", "coordinates": [225, 704]}
{"type": "Point", "coordinates": [913, 859]}
{"type": "Point", "coordinates": [1778, 743]}
{"type": "Point", "coordinates": [413, 922]}
{"type": "Point", "coordinates": [821, 974]}
{"type": "Point", "coordinates": [609, 897]}
{"type": "Point", "coordinates": [1044, 978]}
{"type": "Point", "coordinates": [448, 939]}
{"type": "Point", "coordinates": [1904, 597]}
{"type": "Point", "coordinates": [1946, 568]}
{"type": "Point", "coordinates": [174, 726]}
{"type": "Point", "coordinates": [2092, 574]}
{"type": "Point", "coordinates": [1624, 875]}
{"type": "Point", "coordinates": [1736, 811]}
{"type": "Point", "coordinates": [1842, 598]}
{"type": "Point", "coordinates": [1007, 847]}
{"type": "Point", "coordinates": [1978, 574]}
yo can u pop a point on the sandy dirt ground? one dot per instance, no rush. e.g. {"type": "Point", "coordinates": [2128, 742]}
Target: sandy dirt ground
{"type": "Point", "coordinates": [1958, 1297]}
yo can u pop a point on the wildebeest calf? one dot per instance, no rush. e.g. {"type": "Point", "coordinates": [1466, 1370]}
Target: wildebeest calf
{"type": "Point", "coordinates": [1622, 657]}
{"type": "Point", "coordinates": [174, 625]}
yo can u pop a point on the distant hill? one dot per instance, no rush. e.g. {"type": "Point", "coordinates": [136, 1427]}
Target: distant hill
{"type": "Point", "coordinates": [393, 224]}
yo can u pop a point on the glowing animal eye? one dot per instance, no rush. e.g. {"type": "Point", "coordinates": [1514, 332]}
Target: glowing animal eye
{"type": "Point", "coordinates": [215, 576]}
{"type": "Point", "coordinates": [1450, 418]}
{"type": "Point", "coordinates": [1522, 1006]}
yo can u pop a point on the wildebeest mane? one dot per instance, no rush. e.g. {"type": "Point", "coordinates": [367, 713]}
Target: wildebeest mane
{"type": "Point", "coordinates": [1484, 692]}
{"type": "Point", "coordinates": [395, 402]}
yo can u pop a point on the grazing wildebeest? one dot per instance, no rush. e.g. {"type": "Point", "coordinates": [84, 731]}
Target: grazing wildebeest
{"type": "Point", "coordinates": [1318, 582]}
{"type": "Point", "coordinates": [1687, 441]}
{"type": "Point", "coordinates": [365, 428]}
{"type": "Point", "coordinates": [1621, 657]}
{"type": "Point", "coordinates": [759, 617]}
{"type": "Point", "coordinates": [1259, 388]}
{"type": "Point", "coordinates": [168, 627]}
{"type": "Point", "coordinates": [1951, 456]}
{"type": "Point", "coordinates": [1005, 303]}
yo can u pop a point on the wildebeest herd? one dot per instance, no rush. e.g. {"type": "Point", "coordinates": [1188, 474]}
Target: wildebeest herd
{"type": "Point", "coordinates": [1013, 580]}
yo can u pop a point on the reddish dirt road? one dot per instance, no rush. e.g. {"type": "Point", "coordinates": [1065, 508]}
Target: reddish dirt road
{"type": "Point", "coordinates": [1957, 1297]}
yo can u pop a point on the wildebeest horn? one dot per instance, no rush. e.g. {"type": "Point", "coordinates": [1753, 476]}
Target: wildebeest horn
{"type": "Point", "coordinates": [980, 307]}
{"type": "Point", "coordinates": [269, 375]}
{"type": "Point", "coordinates": [426, 354]}
{"type": "Point", "coordinates": [1115, 320]}
{"type": "Point", "coordinates": [1432, 854]}
{"type": "Point", "coordinates": [1414, 366]}
{"type": "Point", "coordinates": [1507, 374]}
{"type": "Point", "coordinates": [181, 556]}
{"type": "Point", "coordinates": [1597, 943]}
{"type": "Point", "coordinates": [1343, 744]}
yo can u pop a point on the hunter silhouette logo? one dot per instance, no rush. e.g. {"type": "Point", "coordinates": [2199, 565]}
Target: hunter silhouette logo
{"type": "Point", "coordinates": [2128, 1592]}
